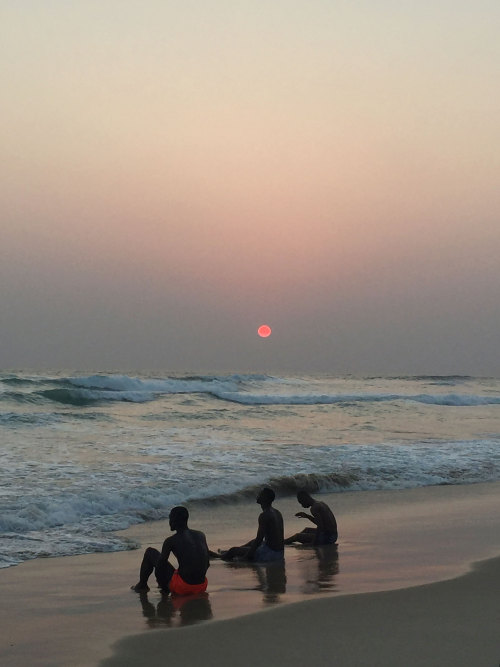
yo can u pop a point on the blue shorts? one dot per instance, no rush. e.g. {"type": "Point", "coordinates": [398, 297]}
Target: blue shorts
{"type": "Point", "coordinates": [265, 554]}
{"type": "Point", "coordinates": [324, 537]}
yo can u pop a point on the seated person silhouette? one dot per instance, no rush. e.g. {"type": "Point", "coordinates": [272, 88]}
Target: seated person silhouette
{"type": "Point", "coordinates": [321, 515]}
{"type": "Point", "coordinates": [191, 550]}
{"type": "Point", "coordinates": [268, 545]}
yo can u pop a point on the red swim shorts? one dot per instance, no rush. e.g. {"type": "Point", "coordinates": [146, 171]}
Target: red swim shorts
{"type": "Point", "coordinates": [179, 587]}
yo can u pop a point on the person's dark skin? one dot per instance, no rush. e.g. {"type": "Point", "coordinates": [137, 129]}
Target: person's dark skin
{"type": "Point", "coordinates": [321, 515]}
{"type": "Point", "coordinates": [270, 530]}
{"type": "Point", "coordinates": [188, 546]}
{"type": "Point", "coordinates": [270, 526]}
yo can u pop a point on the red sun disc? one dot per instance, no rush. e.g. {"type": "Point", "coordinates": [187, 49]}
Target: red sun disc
{"type": "Point", "coordinates": [264, 331]}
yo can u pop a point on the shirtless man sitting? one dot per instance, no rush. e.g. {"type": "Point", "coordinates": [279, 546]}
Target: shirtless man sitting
{"type": "Point", "coordinates": [321, 515]}
{"type": "Point", "coordinates": [268, 545]}
{"type": "Point", "coordinates": [191, 550]}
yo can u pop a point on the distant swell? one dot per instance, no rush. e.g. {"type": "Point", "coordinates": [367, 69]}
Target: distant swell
{"type": "Point", "coordinates": [457, 400]}
{"type": "Point", "coordinates": [250, 390]}
{"type": "Point", "coordinates": [88, 397]}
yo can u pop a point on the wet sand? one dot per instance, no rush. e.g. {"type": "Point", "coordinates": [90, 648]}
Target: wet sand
{"type": "Point", "coordinates": [453, 623]}
{"type": "Point", "coordinates": [80, 610]}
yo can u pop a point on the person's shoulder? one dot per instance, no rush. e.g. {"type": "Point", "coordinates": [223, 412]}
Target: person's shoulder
{"type": "Point", "coordinates": [169, 540]}
{"type": "Point", "coordinates": [320, 506]}
{"type": "Point", "coordinates": [197, 533]}
{"type": "Point", "coordinates": [274, 514]}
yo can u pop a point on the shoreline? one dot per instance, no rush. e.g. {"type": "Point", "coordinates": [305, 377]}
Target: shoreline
{"type": "Point", "coordinates": [454, 622]}
{"type": "Point", "coordinates": [389, 541]}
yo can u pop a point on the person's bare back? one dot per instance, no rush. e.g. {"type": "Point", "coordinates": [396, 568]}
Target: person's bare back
{"type": "Point", "coordinates": [322, 516]}
{"type": "Point", "coordinates": [192, 554]}
{"type": "Point", "coordinates": [268, 546]}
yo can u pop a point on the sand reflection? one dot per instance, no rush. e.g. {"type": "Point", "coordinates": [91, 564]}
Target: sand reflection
{"type": "Point", "coordinates": [270, 578]}
{"type": "Point", "coordinates": [174, 611]}
{"type": "Point", "coordinates": [317, 567]}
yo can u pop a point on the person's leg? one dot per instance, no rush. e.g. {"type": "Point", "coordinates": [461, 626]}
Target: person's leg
{"type": "Point", "coordinates": [235, 552]}
{"type": "Point", "coordinates": [324, 537]}
{"type": "Point", "coordinates": [149, 562]}
{"type": "Point", "coordinates": [163, 573]}
{"type": "Point", "coordinates": [305, 537]}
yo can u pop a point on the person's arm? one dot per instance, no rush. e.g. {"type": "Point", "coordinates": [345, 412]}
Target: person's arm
{"type": "Point", "coordinates": [207, 551]}
{"type": "Point", "coordinates": [166, 549]}
{"type": "Point", "coordinates": [261, 532]}
{"type": "Point", "coordinates": [303, 515]}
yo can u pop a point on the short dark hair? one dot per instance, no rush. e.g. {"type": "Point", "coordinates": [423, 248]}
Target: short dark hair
{"type": "Point", "coordinates": [268, 493]}
{"type": "Point", "coordinates": [302, 493]}
{"type": "Point", "coordinates": [179, 514]}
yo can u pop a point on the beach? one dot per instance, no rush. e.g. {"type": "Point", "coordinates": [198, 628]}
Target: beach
{"type": "Point", "coordinates": [414, 581]}
{"type": "Point", "coordinates": [243, 246]}
{"type": "Point", "coordinates": [452, 623]}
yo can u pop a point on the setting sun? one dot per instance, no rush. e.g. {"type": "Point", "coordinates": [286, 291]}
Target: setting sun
{"type": "Point", "coordinates": [264, 331]}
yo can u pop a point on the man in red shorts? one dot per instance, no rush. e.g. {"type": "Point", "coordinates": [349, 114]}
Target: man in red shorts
{"type": "Point", "coordinates": [191, 550]}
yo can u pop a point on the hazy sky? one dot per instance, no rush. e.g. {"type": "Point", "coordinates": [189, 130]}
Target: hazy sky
{"type": "Point", "coordinates": [176, 173]}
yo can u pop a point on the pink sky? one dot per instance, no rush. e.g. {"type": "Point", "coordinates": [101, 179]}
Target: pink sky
{"type": "Point", "coordinates": [176, 174]}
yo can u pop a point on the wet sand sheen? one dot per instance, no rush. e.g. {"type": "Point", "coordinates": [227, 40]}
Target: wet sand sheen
{"type": "Point", "coordinates": [448, 623]}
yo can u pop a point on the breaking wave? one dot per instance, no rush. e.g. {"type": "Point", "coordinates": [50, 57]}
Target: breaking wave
{"type": "Point", "coordinates": [251, 390]}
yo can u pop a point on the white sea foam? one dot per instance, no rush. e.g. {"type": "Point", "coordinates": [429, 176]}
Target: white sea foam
{"type": "Point", "coordinates": [113, 499]}
{"type": "Point", "coordinates": [76, 465]}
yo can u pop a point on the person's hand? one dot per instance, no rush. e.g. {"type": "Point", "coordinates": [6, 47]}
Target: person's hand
{"type": "Point", "coordinates": [301, 515]}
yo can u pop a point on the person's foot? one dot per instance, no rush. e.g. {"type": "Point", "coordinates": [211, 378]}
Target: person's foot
{"type": "Point", "coordinates": [140, 588]}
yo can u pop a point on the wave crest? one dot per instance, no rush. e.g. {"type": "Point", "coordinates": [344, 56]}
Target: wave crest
{"type": "Point", "coordinates": [287, 485]}
{"type": "Point", "coordinates": [250, 390]}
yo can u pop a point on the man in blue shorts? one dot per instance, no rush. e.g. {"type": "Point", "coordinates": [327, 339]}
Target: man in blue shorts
{"type": "Point", "coordinates": [268, 546]}
{"type": "Point", "coordinates": [321, 515]}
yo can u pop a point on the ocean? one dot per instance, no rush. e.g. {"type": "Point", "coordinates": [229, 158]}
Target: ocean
{"type": "Point", "coordinates": [84, 455]}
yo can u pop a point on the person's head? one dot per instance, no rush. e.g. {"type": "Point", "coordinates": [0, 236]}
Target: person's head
{"type": "Point", "coordinates": [266, 497]}
{"type": "Point", "coordinates": [178, 518]}
{"type": "Point", "coordinates": [304, 498]}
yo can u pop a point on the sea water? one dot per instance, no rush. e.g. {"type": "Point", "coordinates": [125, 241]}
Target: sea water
{"type": "Point", "coordinates": [84, 455]}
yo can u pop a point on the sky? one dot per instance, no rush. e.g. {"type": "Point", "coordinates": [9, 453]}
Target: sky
{"type": "Point", "coordinates": [175, 174]}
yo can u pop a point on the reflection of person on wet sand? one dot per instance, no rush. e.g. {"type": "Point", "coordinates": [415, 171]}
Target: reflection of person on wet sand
{"type": "Point", "coordinates": [328, 565]}
{"type": "Point", "coordinates": [272, 580]}
{"type": "Point", "coordinates": [321, 515]}
{"type": "Point", "coordinates": [191, 551]}
{"type": "Point", "coordinates": [191, 609]}
{"type": "Point", "coordinates": [318, 567]}
{"type": "Point", "coordinates": [268, 545]}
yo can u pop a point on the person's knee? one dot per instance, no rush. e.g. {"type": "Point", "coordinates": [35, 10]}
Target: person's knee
{"type": "Point", "coordinates": [151, 553]}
